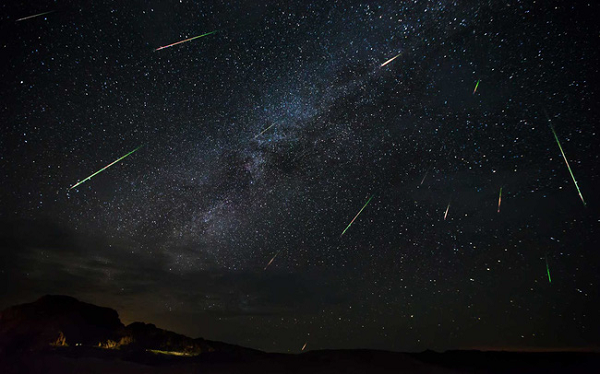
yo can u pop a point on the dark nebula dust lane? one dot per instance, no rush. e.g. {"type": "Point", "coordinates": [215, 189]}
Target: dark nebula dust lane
{"type": "Point", "coordinates": [466, 132]}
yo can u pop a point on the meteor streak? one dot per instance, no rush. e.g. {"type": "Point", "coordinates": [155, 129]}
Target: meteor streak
{"type": "Point", "coordinates": [447, 209]}
{"type": "Point", "coordinates": [35, 15]}
{"type": "Point", "coordinates": [262, 132]}
{"type": "Point", "coordinates": [566, 162]}
{"type": "Point", "coordinates": [425, 176]}
{"type": "Point", "coordinates": [357, 214]}
{"type": "Point", "coordinates": [304, 346]}
{"type": "Point", "coordinates": [184, 41]}
{"type": "Point", "coordinates": [499, 199]}
{"type": "Point", "coordinates": [548, 271]}
{"type": "Point", "coordinates": [101, 170]}
{"type": "Point", "coordinates": [390, 60]}
{"type": "Point", "coordinates": [270, 262]}
{"type": "Point", "coordinates": [476, 85]}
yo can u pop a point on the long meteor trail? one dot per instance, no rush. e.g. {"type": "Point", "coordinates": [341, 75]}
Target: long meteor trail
{"type": "Point", "coordinates": [425, 176]}
{"type": "Point", "coordinates": [184, 41]}
{"type": "Point", "coordinates": [390, 60]}
{"type": "Point", "coordinates": [566, 162]}
{"type": "Point", "coordinates": [262, 132]}
{"type": "Point", "coordinates": [104, 168]}
{"type": "Point", "coordinates": [35, 15]}
{"type": "Point", "coordinates": [357, 214]}
{"type": "Point", "coordinates": [548, 271]}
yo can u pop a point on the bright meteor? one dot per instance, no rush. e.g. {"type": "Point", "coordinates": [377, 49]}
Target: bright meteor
{"type": "Point", "coordinates": [35, 15]}
{"type": "Point", "coordinates": [566, 162]}
{"type": "Point", "coordinates": [104, 168]}
{"type": "Point", "coordinates": [447, 209]}
{"type": "Point", "coordinates": [548, 271]}
{"type": "Point", "coordinates": [184, 41]}
{"type": "Point", "coordinates": [499, 199]}
{"type": "Point", "coordinates": [270, 262]}
{"type": "Point", "coordinates": [476, 85]}
{"type": "Point", "coordinates": [357, 214]}
{"type": "Point", "coordinates": [390, 60]}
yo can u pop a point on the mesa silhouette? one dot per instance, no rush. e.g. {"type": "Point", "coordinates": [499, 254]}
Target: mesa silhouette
{"type": "Point", "coordinates": [58, 334]}
{"type": "Point", "coordinates": [55, 321]}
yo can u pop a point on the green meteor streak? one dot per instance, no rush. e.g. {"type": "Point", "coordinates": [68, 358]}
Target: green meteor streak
{"type": "Point", "coordinates": [548, 271]}
{"type": "Point", "coordinates": [567, 162]}
{"type": "Point", "coordinates": [104, 168]}
{"type": "Point", "coordinates": [476, 85]}
{"type": "Point", "coordinates": [357, 214]}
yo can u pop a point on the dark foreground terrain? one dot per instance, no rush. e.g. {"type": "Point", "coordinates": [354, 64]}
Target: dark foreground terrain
{"type": "Point", "coordinates": [96, 360]}
{"type": "Point", "coordinates": [59, 334]}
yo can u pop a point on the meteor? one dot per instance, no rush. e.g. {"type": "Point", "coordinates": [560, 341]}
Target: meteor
{"type": "Point", "coordinates": [476, 85]}
{"type": "Point", "coordinates": [184, 41]}
{"type": "Point", "coordinates": [35, 15]}
{"type": "Point", "coordinates": [272, 260]}
{"type": "Point", "coordinates": [304, 346]}
{"type": "Point", "coordinates": [548, 271]}
{"type": "Point", "coordinates": [566, 162]}
{"type": "Point", "coordinates": [447, 209]}
{"type": "Point", "coordinates": [390, 60]}
{"type": "Point", "coordinates": [104, 168]}
{"type": "Point", "coordinates": [357, 214]}
{"type": "Point", "coordinates": [499, 199]}
{"type": "Point", "coordinates": [425, 176]}
{"type": "Point", "coordinates": [262, 132]}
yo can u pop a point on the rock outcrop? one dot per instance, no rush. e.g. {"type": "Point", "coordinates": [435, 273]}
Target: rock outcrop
{"type": "Point", "coordinates": [57, 321]}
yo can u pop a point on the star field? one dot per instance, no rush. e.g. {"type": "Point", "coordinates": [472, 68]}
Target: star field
{"type": "Point", "coordinates": [267, 137]}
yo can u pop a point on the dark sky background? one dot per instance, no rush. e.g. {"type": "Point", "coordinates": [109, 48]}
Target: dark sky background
{"type": "Point", "coordinates": [180, 232]}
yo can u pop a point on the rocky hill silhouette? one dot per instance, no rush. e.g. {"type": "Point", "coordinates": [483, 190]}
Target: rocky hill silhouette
{"type": "Point", "coordinates": [58, 321]}
{"type": "Point", "coordinates": [60, 334]}
{"type": "Point", "coordinates": [63, 321]}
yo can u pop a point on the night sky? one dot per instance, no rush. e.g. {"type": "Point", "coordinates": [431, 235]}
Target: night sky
{"type": "Point", "coordinates": [267, 137]}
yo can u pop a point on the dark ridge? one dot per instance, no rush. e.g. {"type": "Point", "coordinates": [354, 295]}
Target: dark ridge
{"type": "Point", "coordinates": [54, 318]}
{"type": "Point", "coordinates": [58, 334]}
{"type": "Point", "coordinates": [63, 321]}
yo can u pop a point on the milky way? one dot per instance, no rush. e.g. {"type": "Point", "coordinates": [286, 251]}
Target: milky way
{"type": "Point", "coordinates": [262, 141]}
